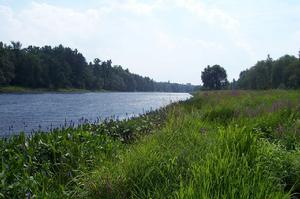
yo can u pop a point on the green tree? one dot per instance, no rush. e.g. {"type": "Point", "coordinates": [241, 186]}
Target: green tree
{"type": "Point", "coordinates": [214, 78]}
{"type": "Point", "coordinates": [271, 74]}
{"type": "Point", "coordinates": [63, 67]}
{"type": "Point", "coordinates": [7, 68]}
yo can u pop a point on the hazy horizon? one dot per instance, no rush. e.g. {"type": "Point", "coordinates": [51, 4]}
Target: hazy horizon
{"type": "Point", "coordinates": [162, 39]}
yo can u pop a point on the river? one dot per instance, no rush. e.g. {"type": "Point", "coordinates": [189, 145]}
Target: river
{"type": "Point", "coordinates": [45, 111]}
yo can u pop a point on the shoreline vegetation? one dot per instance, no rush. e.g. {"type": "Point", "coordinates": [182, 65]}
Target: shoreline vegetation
{"type": "Point", "coordinates": [17, 89]}
{"type": "Point", "coordinates": [21, 90]}
{"type": "Point", "coordinates": [218, 144]}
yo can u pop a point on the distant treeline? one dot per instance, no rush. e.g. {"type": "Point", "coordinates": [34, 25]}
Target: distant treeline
{"type": "Point", "coordinates": [271, 74]}
{"type": "Point", "coordinates": [62, 67]}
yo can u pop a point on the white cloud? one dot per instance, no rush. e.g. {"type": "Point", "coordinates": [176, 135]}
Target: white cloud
{"type": "Point", "coordinates": [110, 32]}
{"type": "Point", "coordinates": [8, 22]}
{"type": "Point", "coordinates": [210, 45]}
{"type": "Point", "coordinates": [153, 37]}
{"type": "Point", "coordinates": [219, 18]}
{"type": "Point", "coordinates": [165, 40]}
{"type": "Point", "coordinates": [43, 23]}
{"type": "Point", "coordinates": [297, 36]}
{"type": "Point", "coordinates": [137, 8]}
{"type": "Point", "coordinates": [212, 16]}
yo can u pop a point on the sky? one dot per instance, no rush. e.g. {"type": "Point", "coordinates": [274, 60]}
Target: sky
{"type": "Point", "coordinates": [166, 40]}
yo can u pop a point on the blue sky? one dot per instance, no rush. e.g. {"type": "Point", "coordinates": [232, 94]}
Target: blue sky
{"type": "Point", "coordinates": [163, 39]}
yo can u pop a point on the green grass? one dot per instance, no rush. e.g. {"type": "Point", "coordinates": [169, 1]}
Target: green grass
{"type": "Point", "coordinates": [225, 144]}
{"type": "Point", "coordinates": [216, 145]}
{"type": "Point", "coordinates": [46, 165]}
{"type": "Point", "coordinates": [14, 89]}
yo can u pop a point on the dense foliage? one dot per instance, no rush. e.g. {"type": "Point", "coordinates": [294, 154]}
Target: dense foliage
{"type": "Point", "coordinates": [214, 78]}
{"type": "Point", "coordinates": [223, 144]}
{"type": "Point", "coordinates": [46, 165]}
{"type": "Point", "coordinates": [62, 67]}
{"type": "Point", "coordinates": [272, 74]}
{"type": "Point", "coordinates": [230, 144]}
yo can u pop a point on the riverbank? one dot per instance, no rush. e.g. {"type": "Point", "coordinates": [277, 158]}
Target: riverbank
{"type": "Point", "coordinates": [16, 89]}
{"type": "Point", "coordinates": [226, 144]}
{"type": "Point", "coordinates": [232, 144]}
{"type": "Point", "coordinates": [24, 90]}
{"type": "Point", "coordinates": [46, 165]}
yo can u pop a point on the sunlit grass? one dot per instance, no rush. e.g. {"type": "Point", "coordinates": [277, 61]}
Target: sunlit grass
{"type": "Point", "coordinates": [211, 147]}
{"type": "Point", "coordinates": [226, 144]}
{"type": "Point", "coordinates": [47, 164]}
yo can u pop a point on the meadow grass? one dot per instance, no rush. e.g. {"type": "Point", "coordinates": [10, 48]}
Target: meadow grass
{"type": "Point", "coordinates": [225, 144]}
{"type": "Point", "coordinates": [46, 165]}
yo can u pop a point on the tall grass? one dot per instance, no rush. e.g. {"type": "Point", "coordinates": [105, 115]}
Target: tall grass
{"type": "Point", "coordinates": [216, 145]}
{"type": "Point", "coordinates": [46, 165]}
{"type": "Point", "coordinates": [226, 144]}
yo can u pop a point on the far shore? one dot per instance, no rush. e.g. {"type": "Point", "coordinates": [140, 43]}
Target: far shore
{"type": "Point", "coordinates": [16, 89]}
{"type": "Point", "coordinates": [26, 90]}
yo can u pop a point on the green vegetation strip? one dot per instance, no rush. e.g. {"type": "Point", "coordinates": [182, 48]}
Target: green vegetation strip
{"type": "Point", "coordinates": [17, 89]}
{"type": "Point", "coordinates": [232, 144]}
{"type": "Point", "coordinates": [47, 165]}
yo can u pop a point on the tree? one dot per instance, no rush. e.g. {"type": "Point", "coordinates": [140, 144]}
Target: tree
{"type": "Point", "coordinates": [214, 78]}
{"type": "Point", "coordinates": [272, 74]}
{"type": "Point", "coordinates": [16, 45]}
{"type": "Point", "coordinates": [7, 68]}
{"type": "Point", "coordinates": [63, 67]}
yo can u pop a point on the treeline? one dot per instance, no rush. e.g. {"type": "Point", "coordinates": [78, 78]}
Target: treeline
{"type": "Point", "coordinates": [62, 67]}
{"type": "Point", "coordinates": [271, 74]}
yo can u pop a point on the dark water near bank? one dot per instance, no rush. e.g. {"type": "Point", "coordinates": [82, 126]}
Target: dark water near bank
{"type": "Point", "coordinates": [45, 111]}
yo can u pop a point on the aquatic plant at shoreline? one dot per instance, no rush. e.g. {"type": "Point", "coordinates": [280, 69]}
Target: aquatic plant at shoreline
{"type": "Point", "coordinates": [44, 164]}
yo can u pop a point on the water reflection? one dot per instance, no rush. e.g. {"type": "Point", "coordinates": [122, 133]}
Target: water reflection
{"type": "Point", "coordinates": [32, 112]}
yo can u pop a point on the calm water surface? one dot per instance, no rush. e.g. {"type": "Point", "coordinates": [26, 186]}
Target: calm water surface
{"type": "Point", "coordinates": [32, 112]}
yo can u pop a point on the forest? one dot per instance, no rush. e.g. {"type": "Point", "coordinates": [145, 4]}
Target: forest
{"type": "Point", "coordinates": [282, 73]}
{"type": "Point", "coordinates": [62, 67]}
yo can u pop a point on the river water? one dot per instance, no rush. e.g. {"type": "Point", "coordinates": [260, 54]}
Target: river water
{"type": "Point", "coordinates": [45, 111]}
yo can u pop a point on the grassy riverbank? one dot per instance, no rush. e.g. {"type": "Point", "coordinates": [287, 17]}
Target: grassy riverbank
{"type": "Point", "coordinates": [46, 165]}
{"type": "Point", "coordinates": [226, 144]}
